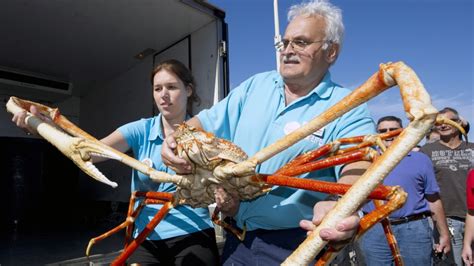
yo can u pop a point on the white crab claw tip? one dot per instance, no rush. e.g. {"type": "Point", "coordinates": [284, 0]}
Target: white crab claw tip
{"type": "Point", "coordinates": [96, 174]}
{"type": "Point", "coordinates": [108, 155]}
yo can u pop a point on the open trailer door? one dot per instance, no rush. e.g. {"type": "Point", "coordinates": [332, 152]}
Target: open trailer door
{"type": "Point", "coordinates": [93, 59]}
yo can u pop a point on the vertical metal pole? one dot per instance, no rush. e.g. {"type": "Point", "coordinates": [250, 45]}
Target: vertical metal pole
{"type": "Point", "coordinates": [277, 32]}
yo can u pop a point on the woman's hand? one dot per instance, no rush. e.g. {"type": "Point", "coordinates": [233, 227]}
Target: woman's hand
{"type": "Point", "coordinates": [20, 120]}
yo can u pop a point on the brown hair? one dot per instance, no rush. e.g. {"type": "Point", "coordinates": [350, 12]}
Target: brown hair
{"type": "Point", "coordinates": [390, 118]}
{"type": "Point", "coordinates": [184, 74]}
{"type": "Point", "coordinates": [449, 109]}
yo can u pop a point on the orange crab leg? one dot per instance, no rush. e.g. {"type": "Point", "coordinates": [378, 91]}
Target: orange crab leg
{"type": "Point", "coordinates": [238, 233]}
{"type": "Point", "coordinates": [368, 140]}
{"type": "Point", "coordinates": [55, 116]}
{"type": "Point", "coordinates": [333, 147]}
{"type": "Point", "coordinates": [128, 223]}
{"type": "Point", "coordinates": [147, 201]}
{"type": "Point", "coordinates": [131, 207]}
{"type": "Point", "coordinates": [304, 163]}
{"type": "Point", "coordinates": [353, 156]}
{"type": "Point", "coordinates": [150, 198]}
{"type": "Point", "coordinates": [120, 260]}
{"type": "Point", "coordinates": [391, 240]}
{"type": "Point", "coordinates": [396, 198]}
{"type": "Point", "coordinates": [308, 157]}
{"type": "Point", "coordinates": [381, 192]}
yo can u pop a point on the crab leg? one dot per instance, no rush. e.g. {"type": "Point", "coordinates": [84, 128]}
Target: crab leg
{"type": "Point", "coordinates": [395, 195]}
{"type": "Point", "coordinates": [419, 109]}
{"type": "Point", "coordinates": [132, 246]}
{"type": "Point", "coordinates": [413, 95]}
{"type": "Point", "coordinates": [415, 99]}
{"type": "Point", "coordinates": [81, 147]}
{"type": "Point", "coordinates": [126, 224]}
{"type": "Point", "coordinates": [333, 147]}
{"type": "Point", "coordinates": [333, 188]}
{"type": "Point", "coordinates": [150, 198]}
{"type": "Point", "coordinates": [392, 241]}
{"type": "Point", "coordinates": [215, 219]}
{"type": "Point", "coordinates": [65, 143]}
{"type": "Point", "coordinates": [380, 193]}
{"type": "Point", "coordinates": [54, 115]}
{"type": "Point", "coordinates": [366, 154]}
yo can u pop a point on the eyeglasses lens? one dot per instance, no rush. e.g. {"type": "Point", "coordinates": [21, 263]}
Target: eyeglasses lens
{"type": "Point", "coordinates": [297, 45]}
{"type": "Point", "coordinates": [383, 130]}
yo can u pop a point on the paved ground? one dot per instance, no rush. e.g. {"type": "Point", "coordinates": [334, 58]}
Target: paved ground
{"type": "Point", "coordinates": [41, 246]}
{"type": "Point", "coordinates": [43, 243]}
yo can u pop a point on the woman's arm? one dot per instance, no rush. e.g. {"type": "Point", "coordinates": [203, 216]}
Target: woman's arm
{"type": "Point", "coordinates": [114, 140]}
{"type": "Point", "coordinates": [468, 238]}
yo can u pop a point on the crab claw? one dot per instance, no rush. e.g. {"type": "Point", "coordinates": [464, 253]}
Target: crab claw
{"type": "Point", "coordinates": [82, 150]}
{"type": "Point", "coordinates": [77, 149]}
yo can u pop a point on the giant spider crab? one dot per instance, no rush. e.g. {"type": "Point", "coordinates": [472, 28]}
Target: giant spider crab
{"type": "Point", "coordinates": [218, 162]}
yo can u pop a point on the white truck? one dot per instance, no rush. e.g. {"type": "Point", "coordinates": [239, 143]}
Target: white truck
{"type": "Point", "coordinates": [93, 60]}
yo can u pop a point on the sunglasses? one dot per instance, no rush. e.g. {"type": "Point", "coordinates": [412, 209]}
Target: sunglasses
{"type": "Point", "coordinates": [383, 130]}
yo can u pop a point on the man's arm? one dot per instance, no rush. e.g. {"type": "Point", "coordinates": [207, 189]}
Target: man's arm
{"type": "Point", "coordinates": [436, 207]}
{"type": "Point", "coordinates": [351, 172]}
{"type": "Point", "coordinates": [347, 227]}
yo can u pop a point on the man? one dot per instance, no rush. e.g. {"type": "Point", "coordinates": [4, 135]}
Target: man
{"type": "Point", "coordinates": [264, 109]}
{"type": "Point", "coordinates": [452, 159]}
{"type": "Point", "coordinates": [416, 176]}
{"type": "Point", "coordinates": [432, 135]}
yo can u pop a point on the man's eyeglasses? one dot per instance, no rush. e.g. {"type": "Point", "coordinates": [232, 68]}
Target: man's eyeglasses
{"type": "Point", "coordinates": [383, 130]}
{"type": "Point", "coordinates": [297, 45]}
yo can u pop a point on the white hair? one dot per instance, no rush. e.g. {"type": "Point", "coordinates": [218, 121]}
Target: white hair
{"type": "Point", "coordinates": [331, 13]}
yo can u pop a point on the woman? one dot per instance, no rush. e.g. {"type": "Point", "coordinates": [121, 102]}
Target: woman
{"type": "Point", "coordinates": [186, 235]}
{"type": "Point", "coordinates": [469, 229]}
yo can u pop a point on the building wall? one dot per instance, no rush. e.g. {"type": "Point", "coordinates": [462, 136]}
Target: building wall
{"type": "Point", "coordinates": [128, 97]}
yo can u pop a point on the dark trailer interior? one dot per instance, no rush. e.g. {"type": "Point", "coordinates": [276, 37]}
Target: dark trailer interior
{"type": "Point", "coordinates": [92, 59]}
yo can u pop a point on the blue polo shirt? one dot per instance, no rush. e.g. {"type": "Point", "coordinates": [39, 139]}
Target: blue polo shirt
{"type": "Point", "coordinates": [415, 174]}
{"type": "Point", "coordinates": [145, 138]}
{"type": "Point", "coordinates": [254, 115]}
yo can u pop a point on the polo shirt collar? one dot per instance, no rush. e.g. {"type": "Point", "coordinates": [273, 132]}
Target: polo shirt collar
{"type": "Point", "coordinates": [156, 130]}
{"type": "Point", "coordinates": [325, 87]}
{"type": "Point", "coordinates": [323, 90]}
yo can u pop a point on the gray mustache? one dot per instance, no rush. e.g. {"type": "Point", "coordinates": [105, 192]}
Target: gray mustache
{"type": "Point", "coordinates": [290, 58]}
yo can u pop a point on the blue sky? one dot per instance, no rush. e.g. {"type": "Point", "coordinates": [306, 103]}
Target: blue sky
{"type": "Point", "coordinates": [433, 37]}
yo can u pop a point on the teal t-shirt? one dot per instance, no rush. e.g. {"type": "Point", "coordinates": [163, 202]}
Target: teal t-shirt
{"type": "Point", "coordinates": [145, 138]}
{"type": "Point", "coordinates": [254, 115]}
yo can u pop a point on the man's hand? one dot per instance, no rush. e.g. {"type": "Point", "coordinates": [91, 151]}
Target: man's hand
{"type": "Point", "coordinates": [228, 203]}
{"type": "Point", "coordinates": [345, 229]}
{"type": "Point", "coordinates": [179, 165]}
{"type": "Point", "coordinates": [444, 245]}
